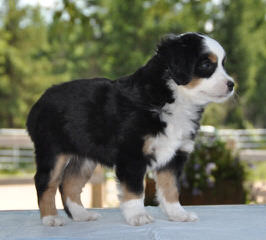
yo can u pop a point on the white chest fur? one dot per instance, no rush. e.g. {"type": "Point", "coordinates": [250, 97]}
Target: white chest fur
{"type": "Point", "coordinates": [178, 117]}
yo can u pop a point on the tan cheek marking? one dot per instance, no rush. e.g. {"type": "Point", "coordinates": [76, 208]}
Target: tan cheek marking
{"type": "Point", "coordinates": [128, 195]}
{"type": "Point", "coordinates": [194, 83]}
{"type": "Point", "coordinates": [213, 57]}
{"type": "Point", "coordinates": [167, 184]}
{"type": "Point", "coordinates": [47, 201]}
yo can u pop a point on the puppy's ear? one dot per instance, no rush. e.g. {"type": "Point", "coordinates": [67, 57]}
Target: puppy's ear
{"type": "Point", "coordinates": [179, 56]}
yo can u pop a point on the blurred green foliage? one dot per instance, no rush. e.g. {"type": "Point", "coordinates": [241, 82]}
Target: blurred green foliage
{"type": "Point", "coordinates": [258, 171]}
{"type": "Point", "coordinates": [213, 175]}
{"type": "Point", "coordinates": [111, 38]}
{"type": "Point", "coordinates": [211, 164]}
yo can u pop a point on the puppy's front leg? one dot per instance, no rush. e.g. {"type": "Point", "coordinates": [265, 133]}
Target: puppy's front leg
{"type": "Point", "coordinates": [132, 196]}
{"type": "Point", "coordinates": [167, 191]}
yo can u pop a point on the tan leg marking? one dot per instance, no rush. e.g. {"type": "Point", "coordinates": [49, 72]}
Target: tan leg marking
{"type": "Point", "coordinates": [75, 177]}
{"type": "Point", "coordinates": [127, 195]}
{"type": "Point", "coordinates": [166, 182]}
{"type": "Point", "coordinates": [72, 188]}
{"type": "Point", "coordinates": [73, 183]}
{"type": "Point", "coordinates": [47, 201]}
{"type": "Point", "coordinates": [169, 198]}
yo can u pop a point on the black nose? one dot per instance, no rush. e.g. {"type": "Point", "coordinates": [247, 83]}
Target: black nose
{"type": "Point", "coordinates": [230, 85]}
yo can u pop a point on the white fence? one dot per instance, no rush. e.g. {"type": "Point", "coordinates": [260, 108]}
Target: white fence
{"type": "Point", "coordinates": [242, 138]}
{"type": "Point", "coordinates": [250, 143]}
{"type": "Point", "coordinates": [16, 146]}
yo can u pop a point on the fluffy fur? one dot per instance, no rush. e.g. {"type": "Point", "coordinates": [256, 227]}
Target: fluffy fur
{"type": "Point", "coordinates": [146, 120]}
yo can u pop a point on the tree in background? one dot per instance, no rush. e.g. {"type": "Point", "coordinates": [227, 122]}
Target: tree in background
{"type": "Point", "coordinates": [117, 37]}
{"type": "Point", "coordinates": [25, 69]}
{"type": "Point", "coordinates": [240, 26]}
{"type": "Point", "coordinates": [121, 35]}
{"type": "Point", "coordinates": [113, 38]}
{"type": "Point", "coordinates": [256, 94]}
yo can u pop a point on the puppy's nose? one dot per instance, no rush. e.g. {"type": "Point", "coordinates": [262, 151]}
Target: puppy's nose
{"type": "Point", "coordinates": [230, 85]}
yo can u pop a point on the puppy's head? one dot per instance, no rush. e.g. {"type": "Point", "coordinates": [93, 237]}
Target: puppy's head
{"type": "Point", "coordinates": [196, 64]}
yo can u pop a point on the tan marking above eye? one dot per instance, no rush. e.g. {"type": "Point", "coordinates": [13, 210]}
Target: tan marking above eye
{"type": "Point", "coordinates": [213, 57]}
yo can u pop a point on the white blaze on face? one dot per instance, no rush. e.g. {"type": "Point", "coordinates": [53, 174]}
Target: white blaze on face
{"type": "Point", "coordinates": [214, 47]}
{"type": "Point", "coordinates": [217, 49]}
{"type": "Point", "coordinates": [218, 81]}
{"type": "Point", "coordinates": [214, 88]}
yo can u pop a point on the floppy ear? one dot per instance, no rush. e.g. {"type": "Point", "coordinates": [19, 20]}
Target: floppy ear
{"type": "Point", "coordinates": [179, 57]}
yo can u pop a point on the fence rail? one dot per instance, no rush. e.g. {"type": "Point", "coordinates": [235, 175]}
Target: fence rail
{"type": "Point", "coordinates": [16, 147]}
{"type": "Point", "coordinates": [242, 138]}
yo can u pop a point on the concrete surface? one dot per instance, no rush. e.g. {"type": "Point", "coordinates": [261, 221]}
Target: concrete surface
{"type": "Point", "coordinates": [236, 222]}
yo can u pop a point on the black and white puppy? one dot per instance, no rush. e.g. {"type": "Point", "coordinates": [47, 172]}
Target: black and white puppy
{"type": "Point", "coordinates": [144, 121]}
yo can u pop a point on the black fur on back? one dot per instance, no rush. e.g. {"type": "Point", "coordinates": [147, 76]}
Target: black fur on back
{"type": "Point", "coordinates": [106, 120]}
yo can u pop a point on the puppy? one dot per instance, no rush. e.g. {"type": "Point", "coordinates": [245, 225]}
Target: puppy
{"type": "Point", "coordinates": [144, 121]}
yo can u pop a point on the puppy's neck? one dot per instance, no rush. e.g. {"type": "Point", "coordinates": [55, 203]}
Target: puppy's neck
{"type": "Point", "coordinates": [154, 70]}
{"type": "Point", "coordinates": [152, 84]}
{"type": "Point", "coordinates": [184, 105]}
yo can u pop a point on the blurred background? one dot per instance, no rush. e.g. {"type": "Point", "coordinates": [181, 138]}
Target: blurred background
{"type": "Point", "coordinates": [47, 42]}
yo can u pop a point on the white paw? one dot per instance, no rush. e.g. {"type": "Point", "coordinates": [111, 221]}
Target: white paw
{"type": "Point", "coordinates": [86, 216]}
{"type": "Point", "coordinates": [79, 213]}
{"type": "Point", "coordinates": [183, 216]}
{"type": "Point", "coordinates": [177, 213]}
{"type": "Point", "coordinates": [139, 219]}
{"type": "Point", "coordinates": [53, 221]}
{"type": "Point", "coordinates": [134, 212]}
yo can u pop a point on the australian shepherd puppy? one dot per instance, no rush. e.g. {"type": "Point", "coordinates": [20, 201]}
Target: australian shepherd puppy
{"type": "Point", "coordinates": [144, 121]}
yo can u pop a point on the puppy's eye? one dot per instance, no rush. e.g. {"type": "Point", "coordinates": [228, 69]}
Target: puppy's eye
{"type": "Point", "coordinates": [205, 64]}
{"type": "Point", "coordinates": [205, 68]}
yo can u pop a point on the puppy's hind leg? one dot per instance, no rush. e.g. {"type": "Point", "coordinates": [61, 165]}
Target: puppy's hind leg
{"type": "Point", "coordinates": [47, 179]}
{"type": "Point", "coordinates": [76, 175]}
